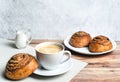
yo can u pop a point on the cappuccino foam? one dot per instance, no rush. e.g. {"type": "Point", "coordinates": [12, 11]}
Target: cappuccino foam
{"type": "Point", "coordinates": [50, 49]}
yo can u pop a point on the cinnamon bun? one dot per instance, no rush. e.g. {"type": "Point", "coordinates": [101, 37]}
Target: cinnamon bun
{"type": "Point", "coordinates": [100, 44]}
{"type": "Point", "coordinates": [80, 39]}
{"type": "Point", "coordinates": [20, 66]}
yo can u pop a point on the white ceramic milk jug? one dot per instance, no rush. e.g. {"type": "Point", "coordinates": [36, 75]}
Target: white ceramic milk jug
{"type": "Point", "coordinates": [22, 39]}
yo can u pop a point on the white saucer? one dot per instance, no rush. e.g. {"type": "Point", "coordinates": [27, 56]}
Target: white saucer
{"type": "Point", "coordinates": [85, 50]}
{"type": "Point", "coordinates": [60, 70]}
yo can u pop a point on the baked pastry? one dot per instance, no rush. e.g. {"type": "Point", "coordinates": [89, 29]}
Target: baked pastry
{"type": "Point", "coordinates": [80, 39]}
{"type": "Point", "coordinates": [20, 66]}
{"type": "Point", "coordinates": [100, 44]}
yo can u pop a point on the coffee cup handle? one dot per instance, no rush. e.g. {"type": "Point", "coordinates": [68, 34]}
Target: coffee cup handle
{"type": "Point", "coordinates": [68, 53]}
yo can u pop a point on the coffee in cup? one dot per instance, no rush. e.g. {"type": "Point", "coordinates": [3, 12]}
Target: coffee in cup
{"type": "Point", "coordinates": [50, 49]}
{"type": "Point", "coordinates": [51, 54]}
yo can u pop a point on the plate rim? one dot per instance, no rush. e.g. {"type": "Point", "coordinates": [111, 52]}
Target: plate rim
{"type": "Point", "coordinates": [58, 73]}
{"type": "Point", "coordinates": [66, 43]}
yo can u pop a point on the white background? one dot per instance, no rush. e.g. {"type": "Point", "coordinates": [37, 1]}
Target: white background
{"type": "Point", "coordinates": [57, 19]}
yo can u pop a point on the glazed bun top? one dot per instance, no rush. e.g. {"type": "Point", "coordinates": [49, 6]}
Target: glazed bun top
{"type": "Point", "coordinates": [100, 43]}
{"type": "Point", "coordinates": [80, 34]}
{"type": "Point", "coordinates": [80, 39]}
{"type": "Point", "coordinates": [20, 66]}
{"type": "Point", "coordinates": [18, 61]}
{"type": "Point", "coordinates": [103, 40]}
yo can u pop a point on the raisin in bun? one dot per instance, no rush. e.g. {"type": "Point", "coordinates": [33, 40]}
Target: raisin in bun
{"type": "Point", "coordinates": [80, 39]}
{"type": "Point", "coordinates": [20, 66]}
{"type": "Point", "coordinates": [100, 44]}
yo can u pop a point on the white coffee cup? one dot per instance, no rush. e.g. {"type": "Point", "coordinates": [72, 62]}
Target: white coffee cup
{"type": "Point", "coordinates": [51, 54]}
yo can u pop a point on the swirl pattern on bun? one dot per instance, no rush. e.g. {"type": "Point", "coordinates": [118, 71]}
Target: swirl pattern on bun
{"type": "Point", "coordinates": [80, 39]}
{"type": "Point", "coordinates": [100, 43]}
{"type": "Point", "coordinates": [20, 66]}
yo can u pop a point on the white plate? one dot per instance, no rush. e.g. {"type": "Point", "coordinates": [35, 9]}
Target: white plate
{"type": "Point", "coordinates": [63, 68]}
{"type": "Point", "coordinates": [85, 50]}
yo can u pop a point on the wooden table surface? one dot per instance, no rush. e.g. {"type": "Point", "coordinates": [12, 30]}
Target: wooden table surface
{"type": "Point", "coordinates": [102, 68]}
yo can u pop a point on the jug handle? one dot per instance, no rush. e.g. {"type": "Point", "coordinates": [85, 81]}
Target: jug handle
{"type": "Point", "coordinates": [30, 37]}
